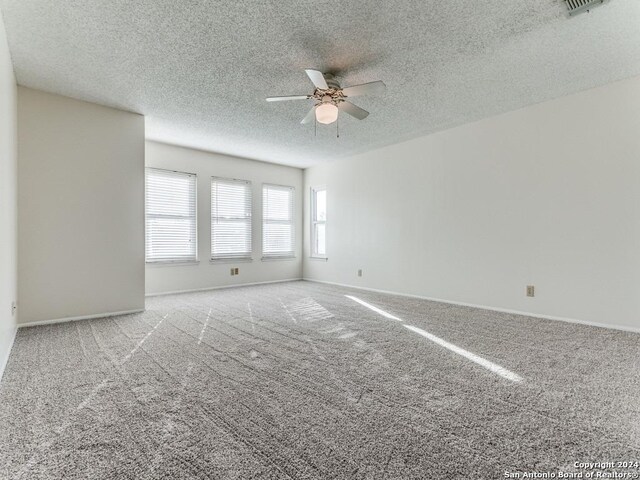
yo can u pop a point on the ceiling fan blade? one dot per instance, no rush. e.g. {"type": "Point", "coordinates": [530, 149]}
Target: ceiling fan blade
{"type": "Point", "coordinates": [309, 116]}
{"type": "Point", "coordinates": [317, 78]}
{"type": "Point", "coordinates": [353, 110]}
{"type": "Point", "coordinates": [364, 89]}
{"type": "Point", "coordinates": [289, 97]}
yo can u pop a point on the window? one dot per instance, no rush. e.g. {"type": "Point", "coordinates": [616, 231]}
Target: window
{"type": "Point", "coordinates": [170, 210]}
{"type": "Point", "coordinates": [278, 229]}
{"type": "Point", "coordinates": [319, 222]}
{"type": "Point", "coordinates": [230, 219]}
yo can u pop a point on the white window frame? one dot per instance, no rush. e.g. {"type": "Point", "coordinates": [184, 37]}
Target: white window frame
{"type": "Point", "coordinates": [174, 261]}
{"type": "Point", "coordinates": [292, 222]}
{"type": "Point", "coordinates": [233, 258]}
{"type": "Point", "coordinates": [315, 222]}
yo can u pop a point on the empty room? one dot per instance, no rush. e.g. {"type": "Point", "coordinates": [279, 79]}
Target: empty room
{"type": "Point", "coordinates": [319, 240]}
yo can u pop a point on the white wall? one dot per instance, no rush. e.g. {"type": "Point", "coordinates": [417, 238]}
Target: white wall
{"type": "Point", "coordinates": [80, 208]}
{"type": "Point", "coordinates": [8, 200]}
{"type": "Point", "coordinates": [161, 279]}
{"type": "Point", "coordinates": [548, 195]}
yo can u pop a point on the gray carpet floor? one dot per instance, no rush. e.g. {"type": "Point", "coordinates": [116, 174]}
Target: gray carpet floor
{"type": "Point", "coordinates": [296, 380]}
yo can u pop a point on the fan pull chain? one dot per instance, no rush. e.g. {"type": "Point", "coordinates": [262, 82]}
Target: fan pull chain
{"type": "Point", "coordinates": [337, 127]}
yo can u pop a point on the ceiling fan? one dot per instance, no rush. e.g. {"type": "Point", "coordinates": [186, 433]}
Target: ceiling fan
{"type": "Point", "coordinates": [330, 98]}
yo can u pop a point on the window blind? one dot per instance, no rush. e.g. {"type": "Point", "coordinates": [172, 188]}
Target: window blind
{"type": "Point", "coordinates": [170, 216]}
{"type": "Point", "coordinates": [278, 230]}
{"type": "Point", "coordinates": [230, 219]}
{"type": "Point", "coordinates": [318, 222]}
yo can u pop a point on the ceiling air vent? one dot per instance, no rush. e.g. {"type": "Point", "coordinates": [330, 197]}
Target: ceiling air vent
{"type": "Point", "coordinates": [579, 6]}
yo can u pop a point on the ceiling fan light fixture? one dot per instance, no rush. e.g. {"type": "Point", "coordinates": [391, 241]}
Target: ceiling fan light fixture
{"type": "Point", "coordinates": [326, 113]}
{"type": "Point", "coordinates": [329, 98]}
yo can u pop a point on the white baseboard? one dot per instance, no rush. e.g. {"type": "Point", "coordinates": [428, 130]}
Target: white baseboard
{"type": "Point", "coordinates": [81, 317]}
{"type": "Point", "coordinates": [206, 289]}
{"type": "Point", "coordinates": [484, 307]}
{"type": "Point", "coordinates": [5, 360]}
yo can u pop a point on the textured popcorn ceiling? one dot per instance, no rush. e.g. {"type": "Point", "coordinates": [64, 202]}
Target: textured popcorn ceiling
{"type": "Point", "coordinates": [200, 70]}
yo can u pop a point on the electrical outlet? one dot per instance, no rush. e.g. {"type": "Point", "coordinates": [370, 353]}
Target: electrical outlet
{"type": "Point", "coordinates": [531, 291]}
{"type": "Point", "coordinates": [236, 271]}
{"type": "Point", "coordinates": [233, 271]}
{"type": "Point", "coordinates": [359, 273]}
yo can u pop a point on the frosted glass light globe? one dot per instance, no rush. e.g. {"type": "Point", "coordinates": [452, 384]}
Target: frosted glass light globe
{"type": "Point", "coordinates": [326, 113]}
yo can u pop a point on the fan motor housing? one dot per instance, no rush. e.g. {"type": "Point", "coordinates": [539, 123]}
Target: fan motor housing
{"type": "Point", "coordinates": [331, 81]}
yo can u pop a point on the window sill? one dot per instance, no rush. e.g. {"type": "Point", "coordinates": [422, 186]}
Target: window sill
{"type": "Point", "coordinates": [172, 264]}
{"type": "Point", "coordinates": [319, 259]}
{"type": "Point", "coordinates": [215, 261]}
{"type": "Point", "coordinates": [273, 259]}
